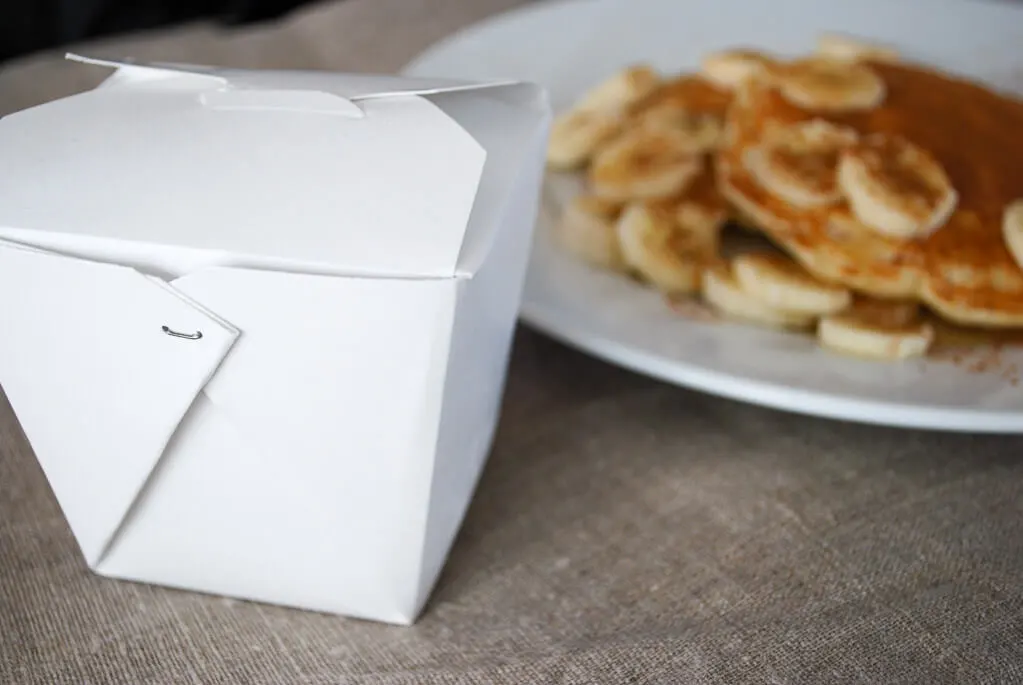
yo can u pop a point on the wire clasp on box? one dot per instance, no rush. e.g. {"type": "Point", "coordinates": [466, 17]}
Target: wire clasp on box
{"type": "Point", "coordinates": [187, 336]}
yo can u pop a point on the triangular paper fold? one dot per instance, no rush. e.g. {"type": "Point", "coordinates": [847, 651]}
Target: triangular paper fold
{"type": "Point", "coordinates": [85, 361]}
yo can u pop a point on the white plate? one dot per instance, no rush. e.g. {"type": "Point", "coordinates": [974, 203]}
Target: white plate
{"type": "Point", "coordinates": [569, 45]}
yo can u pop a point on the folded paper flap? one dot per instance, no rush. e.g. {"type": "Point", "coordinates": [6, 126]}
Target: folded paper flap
{"type": "Point", "coordinates": [352, 87]}
{"type": "Point", "coordinates": [219, 169]}
{"type": "Point", "coordinates": [141, 70]}
{"type": "Point", "coordinates": [511, 140]}
{"type": "Point", "coordinates": [135, 64]}
{"type": "Point", "coordinates": [100, 363]}
{"type": "Point", "coordinates": [298, 101]}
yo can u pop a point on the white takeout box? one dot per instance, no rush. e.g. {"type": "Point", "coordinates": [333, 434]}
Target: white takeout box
{"type": "Point", "coordinates": [256, 324]}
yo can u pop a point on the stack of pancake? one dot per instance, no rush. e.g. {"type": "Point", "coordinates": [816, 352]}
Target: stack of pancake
{"type": "Point", "coordinates": [890, 194]}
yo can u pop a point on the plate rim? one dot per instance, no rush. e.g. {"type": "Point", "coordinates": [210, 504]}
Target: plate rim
{"type": "Point", "coordinates": [777, 396]}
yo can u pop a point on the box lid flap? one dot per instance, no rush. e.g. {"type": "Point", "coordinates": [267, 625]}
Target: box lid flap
{"type": "Point", "coordinates": [274, 168]}
{"type": "Point", "coordinates": [100, 364]}
{"type": "Point", "coordinates": [354, 87]}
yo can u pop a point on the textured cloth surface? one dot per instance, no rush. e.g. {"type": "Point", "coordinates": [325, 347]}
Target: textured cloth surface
{"type": "Point", "coordinates": [625, 531]}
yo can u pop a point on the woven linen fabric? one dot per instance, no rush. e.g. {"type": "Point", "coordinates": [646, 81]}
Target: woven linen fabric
{"type": "Point", "coordinates": [624, 531]}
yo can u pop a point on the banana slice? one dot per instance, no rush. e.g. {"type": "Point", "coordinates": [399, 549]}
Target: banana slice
{"type": "Point", "coordinates": [620, 90]}
{"type": "Point", "coordinates": [876, 330]}
{"type": "Point", "coordinates": [701, 132]}
{"type": "Point", "coordinates": [825, 84]}
{"type": "Point", "coordinates": [587, 230]}
{"type": "Point", "coordinates": [842, 47]}
{"type": "Point", "coordinates": [702, 222]}
{"type": "Point", "coordinates": [645, 163]}
{"type": "Point", "coordinates": [799, 163]}
{"type": "Point", "coordinates": [576, 135]}
{"type": "Point", "coordinates": [663, 252]}
{"type": "Point", "coordinates": [886, 313]}
{"type": "Point", "coordinates": [896, 188]}
{"type": "Point", "coordinates": [780, 283]}
{"type": "Point", "coordinates": [729, 68]}
{"type": "Point", "coordinates": [722, 291]}
{"type": "Point", "coordinates": [1012, 230]}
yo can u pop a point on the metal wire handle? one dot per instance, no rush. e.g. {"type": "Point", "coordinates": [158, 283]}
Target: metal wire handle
{"type": "Point", "coordinates": [187, 336]}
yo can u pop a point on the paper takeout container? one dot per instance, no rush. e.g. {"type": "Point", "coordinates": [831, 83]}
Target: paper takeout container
{"type": "Point", "coordinates": [256, 324]}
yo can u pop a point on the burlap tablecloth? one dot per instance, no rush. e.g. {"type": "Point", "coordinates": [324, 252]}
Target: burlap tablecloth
{"type": "Point", "coordinates": [624, 530]}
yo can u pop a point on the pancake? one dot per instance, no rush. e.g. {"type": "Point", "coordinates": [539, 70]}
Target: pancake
{"type": "Point", "coordinates": [963, 270]}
